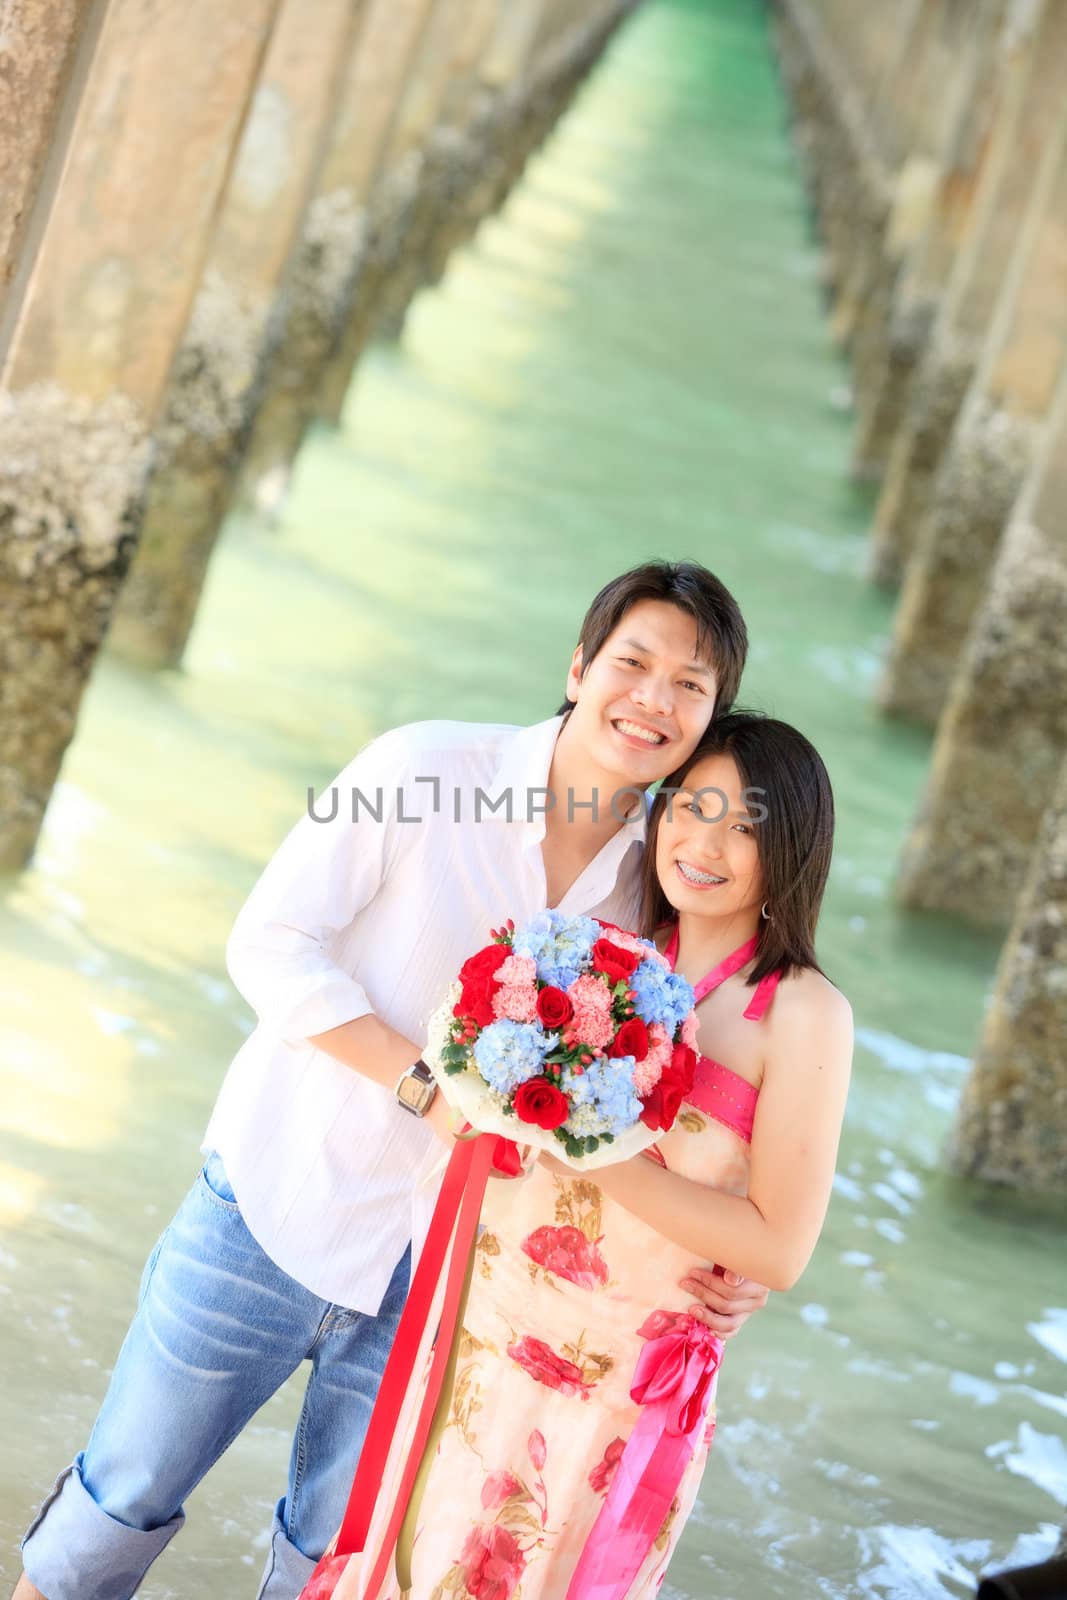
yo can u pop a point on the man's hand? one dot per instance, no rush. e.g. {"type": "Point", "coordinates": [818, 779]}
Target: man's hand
{"type": "Point", "coordinates": [726, 1302]}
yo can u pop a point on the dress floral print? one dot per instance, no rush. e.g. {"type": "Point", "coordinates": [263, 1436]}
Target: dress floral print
{"type": "Point", "coordinates": [567, 1288]}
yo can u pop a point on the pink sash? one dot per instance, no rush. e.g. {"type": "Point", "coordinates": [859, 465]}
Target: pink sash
{"type": "Point", "coordinates": [673, 1385]}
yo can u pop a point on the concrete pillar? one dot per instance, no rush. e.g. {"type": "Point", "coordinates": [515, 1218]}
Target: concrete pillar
{"type": "Point", "coordinates": [847, 170]}
{"type": "Point", "coordinates": [399, 78]}
{"type": "Point", "coordinates": [116, 262]}
{"type": "Point", "coordinates": [893, 332]}
{"type": "Point", "coordinates": [453, 155]}
{"type": "Point", "coordinates": [1003, 735]}
{"type": "Point", "coordinates": [1010, 177]}
{"type": "Point", "coordinates": [45, 47]}
{"type": "Point", "coordinates": [938, 81]}
{"type": "Point", "coordinates": [998, 428]}
{"type": "Point", "coordinates": [908, 124]}
{"type": "Point", "coordinates": [530, 96]}
{"type": "Point", "coordinates": [868, 41]}
{"type": "Point", "coordinates": [234, 322]}
{"type": "Point", "coordinates": [412, 164]}
{"type": "Point", "coordinates": [530, 70]}
{"type": "Point", "coordinates": [1011, 1126]}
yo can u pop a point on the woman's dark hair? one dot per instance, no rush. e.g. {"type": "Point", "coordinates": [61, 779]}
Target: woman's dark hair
{"type": "Point", "coordinates": [794, 840]}
{"type": "Point", "coordinates": [722, 638]}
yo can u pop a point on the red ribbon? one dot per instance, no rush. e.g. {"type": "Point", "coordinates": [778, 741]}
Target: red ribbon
{"type": "Point", "coordinates": [454, 1222]}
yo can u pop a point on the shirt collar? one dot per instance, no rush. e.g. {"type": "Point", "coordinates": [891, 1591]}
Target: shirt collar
{"type": "Point", "coordinates": [524, 767]}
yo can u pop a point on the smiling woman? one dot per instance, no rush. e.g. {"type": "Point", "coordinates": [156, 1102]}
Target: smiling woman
{"type": "Point", "coordinates": [773, 856]}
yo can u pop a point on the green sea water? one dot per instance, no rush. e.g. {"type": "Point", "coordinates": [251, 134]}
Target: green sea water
{"type": "Point", "coordinates": [632, 360]}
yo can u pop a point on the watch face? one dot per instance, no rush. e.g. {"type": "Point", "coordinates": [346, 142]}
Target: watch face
{"type": "Point", "coordinates": [414, 1094]}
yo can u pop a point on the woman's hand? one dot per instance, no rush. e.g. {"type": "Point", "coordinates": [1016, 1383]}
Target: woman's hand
{"type": "Point", "coordinates": [725, 1302]}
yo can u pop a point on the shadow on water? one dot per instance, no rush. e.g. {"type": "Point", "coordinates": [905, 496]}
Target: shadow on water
{"type": "Point", "coordinates": [631, 360]}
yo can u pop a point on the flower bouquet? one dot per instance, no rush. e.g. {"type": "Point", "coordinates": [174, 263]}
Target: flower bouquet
{"type": "Point", "coordinates": [569, 1035]}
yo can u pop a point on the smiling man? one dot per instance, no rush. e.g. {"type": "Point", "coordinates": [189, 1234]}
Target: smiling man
{"type": "Point", "coordinates": [295, 1241]}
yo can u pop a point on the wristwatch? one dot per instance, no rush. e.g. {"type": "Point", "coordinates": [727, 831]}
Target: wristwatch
{"type": "Point", "coordinates": [416, 1088]}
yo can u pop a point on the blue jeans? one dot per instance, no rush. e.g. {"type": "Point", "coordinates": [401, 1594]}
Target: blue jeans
{"type": "Point", "coordinates": [218, 1329]}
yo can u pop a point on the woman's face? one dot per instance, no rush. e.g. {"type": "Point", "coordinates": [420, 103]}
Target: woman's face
{"type": "Point", "coordinates": [707, 858]}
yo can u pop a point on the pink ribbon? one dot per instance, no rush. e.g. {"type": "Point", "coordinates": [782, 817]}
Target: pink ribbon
{"type": "Point", "coordinates": [672, 1383]}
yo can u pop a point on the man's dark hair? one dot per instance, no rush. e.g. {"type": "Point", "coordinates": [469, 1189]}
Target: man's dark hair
{"type": "Point", "coordinates": [722, 638]}
{"type": "Point", "coordinates": [794, 840]}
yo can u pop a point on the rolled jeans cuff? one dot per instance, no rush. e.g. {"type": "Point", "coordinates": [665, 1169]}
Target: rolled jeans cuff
{"type": "Point", "coordinates": [75, 1551]}
{"type": "Point", "coordinates": [287, 1569]}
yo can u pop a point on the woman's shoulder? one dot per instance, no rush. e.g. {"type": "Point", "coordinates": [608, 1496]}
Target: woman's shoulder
{"type": "Point", "coordinates": [807, 998]}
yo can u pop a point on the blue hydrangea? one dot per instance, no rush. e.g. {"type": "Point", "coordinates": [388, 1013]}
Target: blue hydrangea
{"type": "Point", "coordinates": [508, 1053]}
{"type": "Point", "coordinates": [661, 996]}
{"type": "Point", "coordinates": [606, 1087]}
{"type": "Point", "coordinates": [682, 998]}
{"type": "Point", "coordinates": [560, 946]}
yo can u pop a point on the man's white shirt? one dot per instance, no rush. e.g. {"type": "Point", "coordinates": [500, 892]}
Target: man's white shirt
{"type": "Point", "coordinates": [356, 916]}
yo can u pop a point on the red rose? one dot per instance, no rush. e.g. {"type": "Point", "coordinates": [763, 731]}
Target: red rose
{"type": "Point", "coordinates": [631, 1040]}
{"type": "Point", "coordinates": [545, 1366]}
{"type": "Point", "coordinates": [684, 1066]}
{"type": "Point", "coordinates": [493, 1563]}
{"type": "Point", "coordinates": [554, 1007]}
{"type": "Point", "coordinates": [602, 1474]}
{"type": "Point", "coordinates": [478, 977]}
{"type": "Point", "coordinates": [613, 962]}
{"type": "Point", "coordinates": [539, 1101]}
{"type": "Point", "coordinates": [663, 1103]}
{"type": "Point", "coordinates": [484, 963]}
{"type": "Point", "coordinates": [476, 1004]}
{"type": "Point", "coordinates": [568, 1253]}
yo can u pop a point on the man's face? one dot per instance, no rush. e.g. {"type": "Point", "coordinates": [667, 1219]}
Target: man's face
{"type": "Point", "coordinates": [646, 698]}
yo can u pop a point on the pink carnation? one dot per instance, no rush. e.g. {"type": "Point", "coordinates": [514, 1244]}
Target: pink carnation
{"type": "Point", "coordinates": [591, 999]}
{"type": "Point", "coordinates": [515, 996]}
{"type": "Point", "coordinates": [689, 1030]}
{"type": "Point", "coordinates": [624, 940]}
{"type": "Point", "coordinates": [648, 1072]}
{"type": "Point", "coordinates": [517, 970]}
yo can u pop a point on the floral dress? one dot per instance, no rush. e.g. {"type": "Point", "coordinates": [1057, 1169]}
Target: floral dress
{"type": "Point", "coordinates": [567, 1286]}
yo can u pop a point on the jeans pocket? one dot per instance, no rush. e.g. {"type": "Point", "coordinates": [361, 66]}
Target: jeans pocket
{"type": "Point", "coordinates": [216, 1185]}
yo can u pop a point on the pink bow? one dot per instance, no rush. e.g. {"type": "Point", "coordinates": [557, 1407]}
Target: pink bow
{"type": "Point", "coordinates": [672, 1383]}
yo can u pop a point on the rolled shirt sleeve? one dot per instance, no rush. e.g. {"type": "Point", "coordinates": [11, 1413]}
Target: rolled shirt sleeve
{"type": "Point", "coordinates": [323, 873]}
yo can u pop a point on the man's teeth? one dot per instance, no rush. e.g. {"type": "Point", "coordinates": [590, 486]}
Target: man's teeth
{"type": "Point", "coordinates": [638, 732]}
{"type": "Point", "coordinates": [698, 877]}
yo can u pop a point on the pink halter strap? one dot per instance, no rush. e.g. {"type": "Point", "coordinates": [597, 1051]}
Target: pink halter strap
{"type": "Point", "coordinates": [717, 1089]}
{"type": "Point", "coordinates": [726, 969]}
